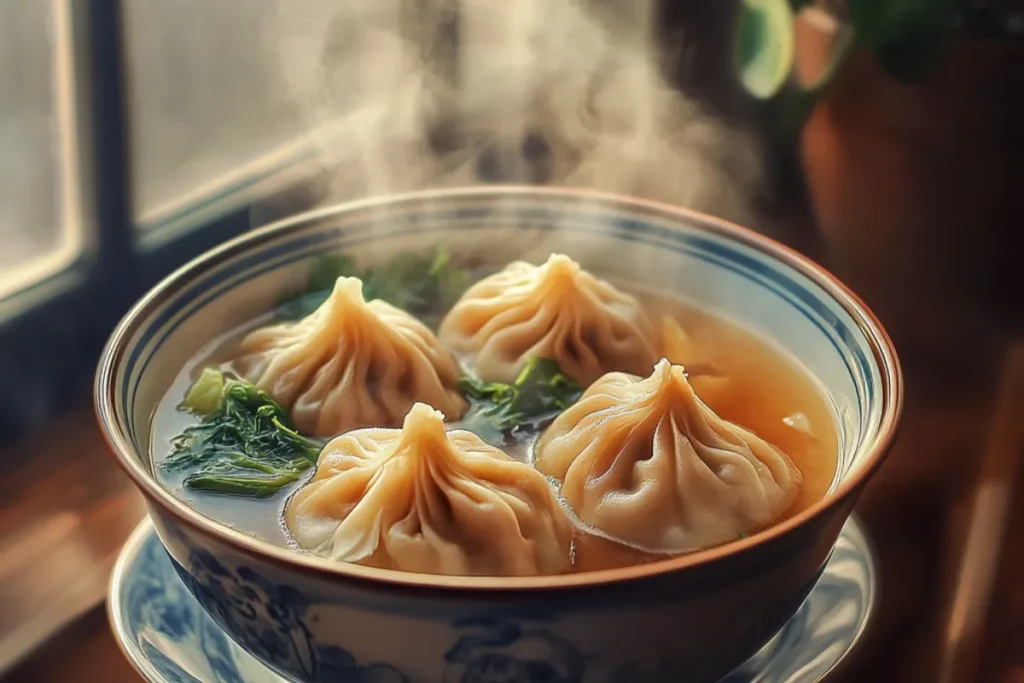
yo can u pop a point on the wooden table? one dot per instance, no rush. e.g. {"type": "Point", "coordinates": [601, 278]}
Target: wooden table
{"type": "Point", "coordinates": [66, 511]}
{"type": "Point", "coordinates": [85, 652]}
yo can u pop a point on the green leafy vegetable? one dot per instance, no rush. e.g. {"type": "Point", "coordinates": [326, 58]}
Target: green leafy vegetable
{"type": "Point", "coordinates": [207, 394]}
{"type": "Point", "coordinates": [540, 391]}
{"type": "Point", "coordinates": [417, 282]}
{"type": "Point", "coordinates": [765, 46]}
{"type": "Point", "coordinates": [244, 444]}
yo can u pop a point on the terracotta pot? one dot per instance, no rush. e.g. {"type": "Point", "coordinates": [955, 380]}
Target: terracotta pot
{"type": "Point", "coordinates": [918, 190]}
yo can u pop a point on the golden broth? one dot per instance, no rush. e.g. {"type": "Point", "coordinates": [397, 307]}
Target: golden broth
{"type": "Point", "coordinates": [764, 391]}
{"type": "Point", "coordinates": [737, 374]}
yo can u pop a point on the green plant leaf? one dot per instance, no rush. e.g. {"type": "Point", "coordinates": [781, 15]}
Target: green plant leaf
{"type": "Point", "coordinates": [764, 45]}
{"type": "Point", "coordinates": [905, 35]}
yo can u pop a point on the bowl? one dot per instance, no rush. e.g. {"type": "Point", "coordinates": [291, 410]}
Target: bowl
{"type": "Point", "coordinates": [687, 618]}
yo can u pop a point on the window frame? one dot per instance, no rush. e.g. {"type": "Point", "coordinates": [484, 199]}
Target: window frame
{"type": "Point", "coordinates": [52, 330]}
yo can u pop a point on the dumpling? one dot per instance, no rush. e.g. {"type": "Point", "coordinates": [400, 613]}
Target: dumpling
{"type": "Point", "coordinates": [556, 311]}
{"type": "Point", "coordinates": [351, 364]}
{"type": "Point", "coordinates": [421, 499]}
{"type": "Point", "coordinates": [646, 462]}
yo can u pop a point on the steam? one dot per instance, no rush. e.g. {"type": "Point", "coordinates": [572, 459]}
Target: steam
{"type": "Point", "coordinates": [406, 95]}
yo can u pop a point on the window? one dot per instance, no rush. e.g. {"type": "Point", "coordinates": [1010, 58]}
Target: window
{"type": "Point", "coordinates": [210, 114]}
{"type": "Point", "coordinates": [39, 236]}
{"type": "Point", "coordinates": [134, 134]}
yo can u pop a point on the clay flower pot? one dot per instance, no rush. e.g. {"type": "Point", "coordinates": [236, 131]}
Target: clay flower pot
{"type": "Point", "coordinates": [918, 188]}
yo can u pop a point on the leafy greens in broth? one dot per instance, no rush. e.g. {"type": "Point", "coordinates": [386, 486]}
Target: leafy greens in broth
{"type": "Point", "coordinates": [244, 443]}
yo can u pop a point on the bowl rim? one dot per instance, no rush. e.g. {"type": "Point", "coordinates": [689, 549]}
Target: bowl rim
{"type": "Point", "coordinates": [883, 352]}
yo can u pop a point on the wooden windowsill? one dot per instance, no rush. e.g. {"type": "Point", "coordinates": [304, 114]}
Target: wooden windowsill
{"type": "Point", "coordinates": [65, 511]}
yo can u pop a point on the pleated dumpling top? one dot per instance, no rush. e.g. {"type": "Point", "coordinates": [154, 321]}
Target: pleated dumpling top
{"type": "Point", "coordinates": [645, 461]}
{"type": "Point", "coordinates": [423, 499]}
{"type": "Point", "coordinates": [556, 311]}
{"type": "Point", "coordinates": [351, 364]}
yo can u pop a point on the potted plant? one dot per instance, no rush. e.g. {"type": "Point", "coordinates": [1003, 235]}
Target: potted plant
{"type": "Point", "coordinates": [905, 117]}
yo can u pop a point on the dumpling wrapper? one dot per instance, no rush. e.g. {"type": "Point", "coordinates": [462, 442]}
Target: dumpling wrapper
{"type": "Point", "coordinates": [646, 462]}
{"type": "Point", "coordinates": [556, 311]}
{"type": "Point", "coordinates": [421, 499]}
{"type": "Point", "coordinates": [351, 364]}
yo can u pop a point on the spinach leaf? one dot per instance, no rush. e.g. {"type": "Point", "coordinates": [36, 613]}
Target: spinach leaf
{"type": "Point", "coordinates": [540, 391]}
{"type": "Point", "coordinates": [244, 444]}
{"type": "Point", "coordinates": [417, 282]}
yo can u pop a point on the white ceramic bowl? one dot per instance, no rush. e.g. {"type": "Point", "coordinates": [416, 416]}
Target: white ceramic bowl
{"type": "Point", "coordinates": [689, 618]}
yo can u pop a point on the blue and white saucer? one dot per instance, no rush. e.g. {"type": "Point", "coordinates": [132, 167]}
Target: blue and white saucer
{"type": "Point", "coordinates": [169, 638]}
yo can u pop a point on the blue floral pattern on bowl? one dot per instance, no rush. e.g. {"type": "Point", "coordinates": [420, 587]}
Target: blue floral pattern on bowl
{"type": "Point", "coordinates": [171, 637]}
{"type": "Point", "coordinates": [269, 620]}
{"type": "Point", "coordinates": [492, 651]}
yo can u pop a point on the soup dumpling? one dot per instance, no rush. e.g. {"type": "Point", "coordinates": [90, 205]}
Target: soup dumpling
{"type": "Point", "coordinates": [646, 462]}
{"type": "Point", "coordinates": [421, 499]}
{"type": "Point", "coordinates": [556, 311]}
{"type": "Point", "coordinates": [350, 364]}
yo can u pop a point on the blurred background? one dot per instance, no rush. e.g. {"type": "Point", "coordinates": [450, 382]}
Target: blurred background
{"type": "Point", "coordinates": [883, 138]}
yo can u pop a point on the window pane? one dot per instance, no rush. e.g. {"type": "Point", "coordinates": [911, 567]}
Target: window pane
{"type": "Point", "coordinates": [30, 225]}
{"type": "Point", "coordinates": [206, 100]}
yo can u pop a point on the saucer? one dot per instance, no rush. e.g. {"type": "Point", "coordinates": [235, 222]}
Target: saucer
{"type": "Point", "coordinates": [168, 637]}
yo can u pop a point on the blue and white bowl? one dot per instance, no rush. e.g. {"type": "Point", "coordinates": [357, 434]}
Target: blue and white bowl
{"type": "Point", "coordinates": [688, 618]}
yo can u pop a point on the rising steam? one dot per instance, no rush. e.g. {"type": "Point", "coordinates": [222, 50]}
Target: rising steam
{"type": "Point", "coordinates": [416, 94]}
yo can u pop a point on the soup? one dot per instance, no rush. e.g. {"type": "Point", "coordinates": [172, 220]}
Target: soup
{"type": "Point", "coordinates": [744, 431]}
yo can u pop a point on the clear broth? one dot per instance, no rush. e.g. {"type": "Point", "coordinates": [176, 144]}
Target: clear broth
{"type": "Point", "coordinates": [750, 383]}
